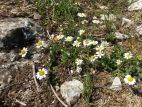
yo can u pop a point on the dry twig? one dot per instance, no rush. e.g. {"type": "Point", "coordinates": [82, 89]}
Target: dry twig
{"type": "Point", "coordinates": [20, 102]}
{"type": "Point", "coordinates": [36, 83]}
{"type": "Point", "coordinates": [58, 97]}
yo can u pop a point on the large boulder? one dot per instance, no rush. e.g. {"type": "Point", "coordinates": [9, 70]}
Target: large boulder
{"type": "Point", "coordinates": [18, 32]}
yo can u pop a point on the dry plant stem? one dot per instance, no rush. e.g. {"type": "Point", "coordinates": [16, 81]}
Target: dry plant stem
{"type": "Point", "coordinates": [48, 34]}
{"type": "Point", "coordinates": [20, 102]}
{"type": "Point", "coordinates": [58, 97]}
{"type": "Point", "coordinates": [37, 86]}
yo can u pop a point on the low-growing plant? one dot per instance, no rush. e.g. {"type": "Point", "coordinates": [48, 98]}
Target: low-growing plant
{"type": "Point", "coordinates": [88, 85]}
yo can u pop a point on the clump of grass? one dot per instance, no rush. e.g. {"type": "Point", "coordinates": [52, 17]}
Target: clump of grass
{"type": "Point", "coordinates": [41, 6]}
{"type": "Point", "coordinates": [88, 85]}
{"type": "Point", "coordinates": [60, 10]}
{"type": "Point", "coordinates": [65, 10]}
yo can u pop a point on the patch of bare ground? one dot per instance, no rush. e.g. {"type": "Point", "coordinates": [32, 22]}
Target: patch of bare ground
{"type": "Point", "coordinates": [16, 8]}
{"type": "Point", "coordinates": [104, 97]}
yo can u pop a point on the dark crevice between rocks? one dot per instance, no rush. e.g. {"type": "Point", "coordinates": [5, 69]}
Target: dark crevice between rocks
{"type": "Point", "coordinates": [21, 37]}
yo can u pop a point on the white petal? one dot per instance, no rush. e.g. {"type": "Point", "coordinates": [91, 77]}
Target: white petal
{"type": "Point", "coordinates": [127, 76]}
{"type": "Point", "coordinates": [23, 55]}
{"type": "Point", "coordinates": [37, 75]}
{"type": "Point", "coordinates": [126, 81]}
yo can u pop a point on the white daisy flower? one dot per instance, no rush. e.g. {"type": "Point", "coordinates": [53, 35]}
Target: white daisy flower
{"type": "Point", "coordinates": [96, 21]}
{"type": "Point", "coordinates": [128, 55]}
{"type": "Point", "coordinates": [76, 43]}
{"type": "Point", "coordinates": [118, 62]}
{"type": "Point", "coordinates": [99, 54]}
{"type": "Point", "coordinates": [23, 52]}
{"type": "Point", "coordinates": [87, 42]}
{"type": "Point", "coordinates": [100, 48]}
{"type": "Point", "coordinates": [59, 37]}
{"type": "Point", "coordinates": [84, 21]}
{"type": "Point", "coordinates": [81, 15]}
{"type": "Point", "coordinates": [94, 17]}
{"type": "Point", "coordinates": [69, 39]}
{"type": "Point", "coordinates": [52, 36]}
{"type": "Point", "coordinates": [81, 32]}
{"type": "Point", "coordinates": [78, 69]}
{"type": "Point", "coordinates": [40, 44]}
{"type": "Point", "coordinates": [94, 42]}
{"type": "Point", "coordinates": [78, 61]}
{"type": "Point", "coordinates": [93, 58]}
{"type": "Point", "coordinates": [129, 80]}
{"type": "Point", "coordinates": [105, 43]}
{"type": "Point", "coordinates": [41, 73]}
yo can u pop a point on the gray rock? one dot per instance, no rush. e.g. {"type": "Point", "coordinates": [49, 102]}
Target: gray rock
{"type": "Point", "coordinates": [121, 36]}
{"type": "Point", "coordinates": [135, 6]}
{"type": "Point", "coordinates": [37, 57]}
{"type": "Point", "coordinates": [7, 57]}
{"type": "Point", "coordinates": [5, 78]}
{"type": "Point", "coordinates": [18, 32]}
{"type": "Point", "coordinates": [71, 91]}
{"type": "Point", "coordinates": [8, 69]}
{"type": "Point", "coordinates": [116, 85]}
{"type": "Point", "coordinates": [37, 16]}
{"type": "Point", "coordinates": [126, 22]}
{"type": "Point", "coordinates": [139, 29]}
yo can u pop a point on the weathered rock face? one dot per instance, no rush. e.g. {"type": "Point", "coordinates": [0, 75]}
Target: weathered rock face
{"type": "Point", "coordinates": [135, 6]}
{"type": "Point", "coordinates": [18, 32]}
{"type": "Point", "coordinates": [139, 29]}
{"type": "Point", "coordinates": [71, 91]}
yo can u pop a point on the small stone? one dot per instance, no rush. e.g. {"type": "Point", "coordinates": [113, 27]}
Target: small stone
{"type": "Point", "coordinates": [78, 69]}
{"type": "Point", "coordinates": [135, 6]}
{"type": "Point", "coordinates": [37, 16]}
{"type": "Point", "coordinates": [37, 57]}
{"type": "Point", "coordinates": [94, 17]}
{"type": "Point", "coordinates": [71, 91]}
{"type": "Point", "coordinates": [126, 22]}
{"type": "Point", "coordinates": [121, 36]}
{"type": "Point", "coordinates": [139, 29]}
{"type": "Point", "coordinates": [116, 85]}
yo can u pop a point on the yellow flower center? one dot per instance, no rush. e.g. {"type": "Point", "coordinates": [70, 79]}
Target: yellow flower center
{"type": "Point", "coordinates": [94, 43]}
{"type": "Point", "coordinates": [92, 57]}
{"type": "Point", "coordinates": [99, 54]}
{"type": "Point", "coordinates": [86, 42]}
{"type": "Point", "coordinates": [39, 43]}
{"type": "Point", "coordinates": [23, 52]}
{"type": "Point", "coordinates": [41, 72]}
{"type": "Point", "coordinates": [139, 57]}
{"type": "Point", "coordinates": [130, 79]}
{"type": "Point", "coordinates": [100, 48]}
